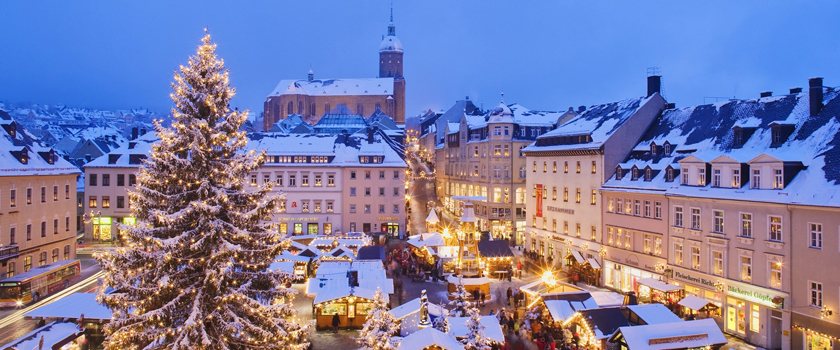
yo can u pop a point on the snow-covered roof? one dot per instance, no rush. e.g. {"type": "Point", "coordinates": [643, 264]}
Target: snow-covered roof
{"type": "Point", "coordinates": [343, 150]}
{"type": "Point", "coordinates": [413, 307]}
{"type": "Point", "coordinates": [676, 335]}
{"type": "Point", "coordinates": [694, 303]}
{"type": "Point", "coordinates": [22, 155]}
{"type": "Point", "coordinates": [458, 328]}
{"type": "Point", "coordinates": [130, 155]}
{"type": "Point", "coordinates": [72, 307]}
{"type": "Point", "coordinates": [338, 292]}
{"type": "Point", "coordinates": [705, 132]}
{"type": "Point", "coordinates": [432, 239]}
{"type": "Point", "coordinates": [428, 337]}
{"type": "Point", "coordinates": [562, 306]}
{"type": "Point", "coordinates": [475, 281]}
{"type": "Point", "coordinates": [52, 334]}
{"type": "Point", "coordinates": [285, 266]}
{"type": "Point", "coordinates": [659, 285]}
{"type": "Point", "coordinates": [432, 218]}
{"type": "Point", "coordinates": [654, 313]}
{"type": "Point", "coordinates": [391, 43]}
{"type": "Point", "coordinates": [607, 299]}
{"type": "Point", "coordinates": [526, 117]}
{"type": "Point", "coordinates": [598, 122]}
{"type": "Point", "coordinates": [335, 87]}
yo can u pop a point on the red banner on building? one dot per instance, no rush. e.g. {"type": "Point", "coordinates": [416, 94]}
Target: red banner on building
{"type": "Point", "coordinates": [539, 191]}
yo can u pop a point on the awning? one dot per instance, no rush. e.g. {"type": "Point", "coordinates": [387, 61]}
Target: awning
{"type": "Point", "coordinates": [695, 303]}
{"type": "Point", "coordinates": [659, 285]}
{"type": "Point", "coordinates": [594, 263]}
{"type": "Point", "coordinates": [579, 258]}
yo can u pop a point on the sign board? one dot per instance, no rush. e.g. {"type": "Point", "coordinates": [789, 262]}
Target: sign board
{"type": "Point", "coordinates": [539, 191]}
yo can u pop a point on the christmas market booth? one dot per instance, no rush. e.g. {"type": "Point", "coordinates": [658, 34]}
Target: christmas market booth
{"type": "Point", "coordinates": [409, 315]}
{"type": "Point", "coordinates": [564, 306]}
{"type": "Point", "coordinates": [697, 307]}
{"type": "Point", "coordinates": [430, 339]}
{"type": "Point", "coordinates": [351, 304]}
{"type": "Point", "coordinates": [301, 264]}
{"type": "Point", "coordinates": [492, 330]}
{"type": "Point", "coordinates": [426, 245]}
{"type": "Point", "coordinates": [80, 309]}
{"type": "Point", "coordinates": [595, 326]}
{"type": "Point", "coordinates": [697, 334]}
{"type": "Point", "coordinates": [56, 335]}
{"type": "Point", "coordinates": [482, 284]}
{"type": "Point", "coordinates": [656, 291]}
{"type": "Point", "coordinates": [496, 257]}
{"type": "Point", "coordinates": [588, 270]}
{"type": "Point", "coordinates": [547, 284]}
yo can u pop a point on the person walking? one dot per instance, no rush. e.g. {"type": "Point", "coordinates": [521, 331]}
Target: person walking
{"type": "Point", "coordinates": [335, 322]}
{"type": "Point", "coordinates": [509, 294]}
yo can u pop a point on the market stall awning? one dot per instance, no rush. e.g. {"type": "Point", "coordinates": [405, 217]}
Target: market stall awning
{"type": "Point", "coordinates": [431, 239]}
{"type": "Point", "coordinates": [695, 303]}
{"type": "Point", "coordinates": [54, 335]}
{"type": "Point", "coordinates": [654, 313]}
{"type": "Point", "coordinates": [676, 335]}
{"type": "Point", "coordinates": [562, 306]}
{"type": "Point", "coordinates": [576, 255]}
{"type": "Point", "coordinates": [494, 249]}
{"type": "Point", "coordinates": [429, 338]}
{"type": "Point", "coordinates": [413, 307]}
{"type": "Point", "coordinates": [594, 263]}
{"type": "Point", "coordinates": [607, 299]}
{"type": "Point", "coordinates": [659, 285]}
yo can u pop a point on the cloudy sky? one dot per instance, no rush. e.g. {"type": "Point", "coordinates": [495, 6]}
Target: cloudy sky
{"type": "Point", "coordinates": [546, 55]}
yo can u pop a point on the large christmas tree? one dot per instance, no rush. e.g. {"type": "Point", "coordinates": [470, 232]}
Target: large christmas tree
{"type": "Point", "coordinates": [476, 337]}
{"type": "Point", "coordinates": [194, 272]}
{"type": "Point", "coordinates": [380, 325]}
{"type": "Point", "coordinates": [459, 303]}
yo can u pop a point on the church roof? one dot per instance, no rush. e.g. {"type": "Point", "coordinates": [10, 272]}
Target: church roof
{"type": "Point", "coordinates": [335, 87]}
{"type": "Point", "coordinates": [391, 43]}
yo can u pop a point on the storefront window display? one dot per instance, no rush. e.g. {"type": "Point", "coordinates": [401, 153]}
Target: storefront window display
{"type": "Point", "coordinates": [817, 342]}
{"type": "Point", "coordinates": [334, 308]}
{"type": "Point", "coordinates": [736, 316]}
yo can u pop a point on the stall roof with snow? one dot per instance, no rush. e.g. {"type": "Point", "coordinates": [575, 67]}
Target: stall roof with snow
{"type": "Point", "coordinates": [654, 313]}
{"type": "Point", "coordinates": [667, 336]}
{"type": "Point", "coordinates": [659, 285]}
{"type": "Point", "coordinates": [431, 239]}
{"type": "Point", "coordinates": [562, 306]}
{"type": "Point", "coordinates": [428, 338]}
{"type": "Point", "coordinates": [494, 249]}
{"type": "Point", "coordinates": [413, 307]}
{"type": "Point", "coordinates": [458, 328]}
{"type": "Point", "coordinates": [72, 307]}
{"type": "Point", "coordinates": [54, 334]}
{"type": "Point", "coordinates": [603, 322]}
{"type": "Point", "coordinates": [695, 303]}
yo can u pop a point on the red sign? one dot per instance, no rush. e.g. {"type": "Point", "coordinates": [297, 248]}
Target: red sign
{"type": "Point", "coordinates": [539, 191]}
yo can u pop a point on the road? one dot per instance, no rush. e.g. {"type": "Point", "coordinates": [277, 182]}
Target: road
{"type": "Point", "coordinates": [14, 326]}
{"type": "Point", "coordinates": [422, 191]}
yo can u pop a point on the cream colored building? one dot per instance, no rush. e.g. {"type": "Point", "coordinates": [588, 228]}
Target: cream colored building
{"type": "Point", "coordinates": [332, 184]}
{"type": "Point", "coordinates": [565, 170]}
{"type": "Point", "coordinates": [481, 161]}
{"type": "Point", "coordinates": [37, 210]}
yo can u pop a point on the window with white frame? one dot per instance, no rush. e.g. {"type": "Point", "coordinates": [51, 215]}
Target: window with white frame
{"type": "Point", "coordinates": [396, 208]}
{"type": "Point", "coordinates": [628, 206]}
{"type": "Point", "coordinates": [685, 177]}
{"type": "Point", "coordinates": [610, 238]}
{"type": "Point", "coordinates": [746, 224]}
{"type": "Point", "coordinates": [367, 208]}
{"type": "Point", "coordinates": [657, 246]}
{"type": "Point", "coordinates": [718, 220]}
{"type": "Point", "coordinates": [610, 204]}
{"type": "Point", "coordinates": [815, 235]}
{"type": "Point", "coordinates": [701, 176]}
{"type": "Point", "coordinates": [304, 205]}
{"type": "Point", "coordinates": [619, 205]}
{"type": "Point", "coordinates": [775, 279]}
{"type": "Point", "coordinates": [593, 196]}
{"type": "Point", "coordinates": [695, 258]}
{"type": "Point", "coordinates": [657, 210]}
{"type": "Point", "coordinates": [253, 180]}
{"type": "Point", "coordinates": [717, 262]}
{"type": "Point", "coordinates": [678, 254]}
{"type": "Point", "coordinates": [775, 233]}
{"type": "Point", "coordinates": [637, 207]}
{"type": "Point", "coordinates": [816, 293]}
{"type": "Point", "coordinates": [736, 178]}
{"type": "Point", "coordinates": [618, 237]}
{"type": "Point", "coordinates": [716, 177]}
{"type": "Point", "coordinates": [746, 268]}
{"type": "Point", "coordinates": [756, 179]}
{"type": "Point", "coordinates": [695, 218]}
{"type": "Point", "coordinates": [778, 179]}
{"type": "Point", "coordinates": [292, 181]}
{"type": "Point", "coordinates": [678, 216]}
{"type": "Point", "coordinates": [648, 245]}
{"type": "Point", "coordinates": [647, 209]}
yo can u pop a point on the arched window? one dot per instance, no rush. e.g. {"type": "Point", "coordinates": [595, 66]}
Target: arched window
{"type": "Point", "coordinates": [42, 258]}
{"type": "Point", "coordinates": [300, 107]}
{"type": "Point", "coordinates": [290, 108]}
{"type": "Point", "coordinates": [67, 252]}
{"type": "Point", "coordinates": [54, 255]}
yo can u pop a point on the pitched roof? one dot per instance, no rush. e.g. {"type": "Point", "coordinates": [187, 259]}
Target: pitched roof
{"type": "Point", "coordinates": [494, 249]}
{"type": "Point", "coordinates": [335, 87]}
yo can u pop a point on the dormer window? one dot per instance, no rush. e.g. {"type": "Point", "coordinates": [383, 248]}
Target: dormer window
{"type": "Point", "coordinates": [701, 177]}
{"type": "Point", "coordinates": [667, 148]}
{"type": "Point", "coordinates": [777, 134]}
{"type": "Point", "coordinates": [716, 178]}
{"type": "Point", "coordinates": [778, 179]}
{"type": "Point", "coordinates": [669, 174]}
{"type": "Point", "coordinates": [653, 148]}
{"type": "Point", "coordinates": [738, 137]}
{"type": "Point", "coordinates": [635, 173]}
{"type": "Point", "coordinates": [736, 178]}
{"type": "Point", "coordinates": [618, 173]}
{"type": "Point", "coordinates": [648, 174]}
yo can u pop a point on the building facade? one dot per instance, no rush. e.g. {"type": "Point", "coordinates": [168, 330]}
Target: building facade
{"type": "Point", "coordinates": [566, 168]}
{"type": "Point", "coordinates": [329, 184]}
{"type": "Point", "coordinates": [312, 98]}
{"type": "Point", "coordinates": [37, 212]}
{"type": "Point", "coordinates": [481, 161]}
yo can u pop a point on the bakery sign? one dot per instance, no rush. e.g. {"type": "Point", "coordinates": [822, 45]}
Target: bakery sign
{"type": "Point", "coordinates": [756, 296]}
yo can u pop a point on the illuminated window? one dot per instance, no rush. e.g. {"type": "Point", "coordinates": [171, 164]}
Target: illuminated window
{"type": "Point", "coordinates": [776, 274]}
{"type": "Point", "coordinates": [746, 268]}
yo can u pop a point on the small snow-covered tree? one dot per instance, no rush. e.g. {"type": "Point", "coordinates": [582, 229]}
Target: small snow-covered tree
{"type": "Point", "coordinates": [380, 326]}
{"type": "Point", "coordinates": [476, 338]}
{"type": "Point", "coordinates": [194, 272]}
{"type": "Point", "coordinates": [460, 303]}
{"type": "Point", "coordinates": [442, 322]}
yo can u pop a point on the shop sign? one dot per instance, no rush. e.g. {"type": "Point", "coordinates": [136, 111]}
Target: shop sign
{"type": "Point", "coordinates": [694, 279]}
{"type": "Point", "coordinates": [756, 296]}
{"type": "Point", "coordinates": [677, 339]}
{"type": "Point", "coordinates": [560, 210]}
{"type": "Point", "coordinates": [298, 219]}
{"type": "Point", "coordinates": [387, 218]}
{"type": "Point", "coordinates": [539, 192]}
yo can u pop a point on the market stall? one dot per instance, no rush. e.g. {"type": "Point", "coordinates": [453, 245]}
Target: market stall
{"type": "Point", "coordinates": [351, 304]}
{"type": "Point", "coordinates": [496, 258]}
{"type": "Point", "coordinates": [698, 334]}
{"type": "Point", "coordinates": [408, 315]}
{"type": "Point", "coordinates": [482, 284]}
{"type": "Point", "coordinates": [697, 307]}
{"type": "Point", "coordinates": [595, 326]}
{"type": "Point", "coordinates": [655, 291]}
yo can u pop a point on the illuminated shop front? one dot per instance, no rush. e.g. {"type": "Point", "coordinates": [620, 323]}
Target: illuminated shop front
{"type": "Point", "coordinates": [623, 269]}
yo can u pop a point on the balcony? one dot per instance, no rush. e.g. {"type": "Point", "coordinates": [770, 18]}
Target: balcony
{"type": "Point", "coordinates": [9, 252]}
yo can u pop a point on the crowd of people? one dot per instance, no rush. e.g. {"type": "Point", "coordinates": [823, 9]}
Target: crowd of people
{"type": "Point", "coordinates": [535, 331]}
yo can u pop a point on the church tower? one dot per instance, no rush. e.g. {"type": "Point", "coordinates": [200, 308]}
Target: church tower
{"type": "Point", "coordinates": [391, 66]}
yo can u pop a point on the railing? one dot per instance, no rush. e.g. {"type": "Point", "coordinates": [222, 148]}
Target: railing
{"type": "Point", "coordinates": [9, 252]}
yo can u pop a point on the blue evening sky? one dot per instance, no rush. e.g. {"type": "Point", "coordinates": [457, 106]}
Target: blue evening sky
{"type": "Point", "coordinates": [545, 55]}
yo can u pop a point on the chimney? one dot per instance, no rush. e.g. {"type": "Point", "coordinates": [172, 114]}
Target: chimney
{"type": "Point", "coordinates": [766, 94]}
{"type": "Point", "coordinates": [134, 133]}
{"type": "Point", "coordinates": [654, 84]}
{"type": "Point", "coordinates": [370, 135]}
{"type": "Point", "coordinates": [143, 131]}
{"type": "Point", "coordinates": [795, 90]}
{"type": "Point", "coordinates": [581, 109]}
{"type": "Point", "coordinates": [815, 94]}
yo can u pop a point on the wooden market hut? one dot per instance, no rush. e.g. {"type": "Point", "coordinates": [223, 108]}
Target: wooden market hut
{"type": "Point", "coordinates": [482, 284]}
{"type": "Point", "coordinates": [351, 304]}
{"type": "Point", "coordinates": [430, 339]}
{"type": "Point", "coordinates": [651, 290]}
{"type": "Point", "coordinates": [496, 256]}
{"type": "Point", "coordinates": [408, 315]}
{"type": "Point", "coordinates": [695, 334]}
{"type": "Point", "coordinates": [699, 307]}
{"type": "Point", "coordinates": [595, 326]}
